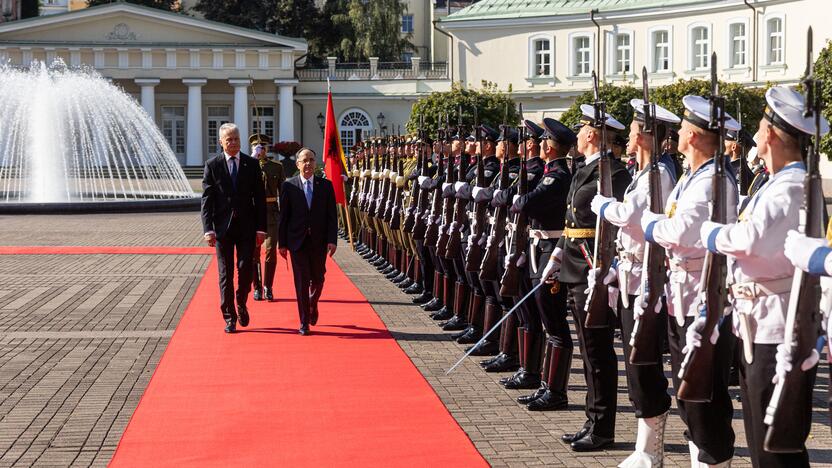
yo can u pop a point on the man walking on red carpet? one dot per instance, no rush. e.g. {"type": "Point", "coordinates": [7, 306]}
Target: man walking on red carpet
{"type": "Point", "coordinates": [233, 218]}
{"type": "Point", "coordinates": [307, 227]}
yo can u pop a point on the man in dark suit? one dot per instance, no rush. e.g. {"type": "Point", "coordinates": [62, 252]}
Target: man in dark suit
{"type": "Point", "coordinates": [233, 217]}
{"type": "Point", "coordinates": [308, 228]}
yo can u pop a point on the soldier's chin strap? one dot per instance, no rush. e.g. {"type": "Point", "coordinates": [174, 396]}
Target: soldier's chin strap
{"type": "Point", "coordinates": [495, 327]}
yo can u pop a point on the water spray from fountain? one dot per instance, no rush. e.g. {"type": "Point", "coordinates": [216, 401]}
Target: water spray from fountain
{"type": "Point", "coordinates": [70, 136]}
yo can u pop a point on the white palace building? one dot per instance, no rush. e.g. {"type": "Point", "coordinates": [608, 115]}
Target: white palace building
{"type": "Point", "coordinates": [192, 75]}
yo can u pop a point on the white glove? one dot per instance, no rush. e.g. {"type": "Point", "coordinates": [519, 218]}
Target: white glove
{"type": "Point", "coordinates": [521, 260]}
{"type": "Point", "coordinates": [598, 202]}
{"type": "Point", "coordinates": [552, 266]}
{"type": "Point", "coordinates": [706, 229]}
{"type": "Point", "coordinates": [640, 306]}
{"type": "Point", "coordinates": [799, 248]}
{"type": "Point", "coordinates": [648, 217]}
{"type": "Point", "coordinates": [784, 362]}
{"type": "Point", "coordinates": [693, 336]}
{"type": "Point", "coordinates": [422, 179]}
{"type": "Point", "coordinates": [496, 192]}
{"type": "Point", "coordinates": [471, 240]}
{"type": "Point", "coordinates": [459, 185]}
{"type": "Point", "coordinates": [515, 198]}
{"type": "Point", "coordinates": [475, 191]}
{"type": "Point", "coordinates": [609, 279]}
{"type": "Point", "coordinates": [445, 186]}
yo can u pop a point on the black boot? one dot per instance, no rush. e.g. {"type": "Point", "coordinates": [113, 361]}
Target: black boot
{"type": "Point", "coordinates": [475, 318]}
{"type": "Point", "coordinates": [405, 283]}
{"type": "Point", "coordinates": [447, 311]}
{"type": "Point", "coordinates": [432, 305]}
{"type": "Point", "coordinates": [532, 354]}
{"type": "Point", "coordinates": [557, 378]}
{"type": "Point", "coordinates": [416, 288]}
{"type": "Point", "coordinates": [508, 360]}
{"type": "Point", "coordinates": [438, 284]}
{"type": "Point", "coordinates": [519, 333]}
{"type": "Point", "coordinates": [456, 336]}
{"type": "Point", "coordinates": [423, 298]}
{"type": "Point", "coordinates": [526, 399]}
{"type": "Point", "coordinates": [459, 321]}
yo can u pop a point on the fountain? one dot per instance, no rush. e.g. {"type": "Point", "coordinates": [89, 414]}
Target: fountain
{"type": "Point", "coordinates": [72, 141]}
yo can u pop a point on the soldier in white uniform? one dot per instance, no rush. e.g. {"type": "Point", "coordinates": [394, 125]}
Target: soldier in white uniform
{"type": "Point", "coordinates": [766, 272]}
{"type": "Point", "coordinates": [647, 384]}
{"type": "Point", "coordinates": [709, 432]}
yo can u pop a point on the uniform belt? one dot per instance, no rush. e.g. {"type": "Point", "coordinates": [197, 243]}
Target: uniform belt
{"type": "Point", "coordinates": [271, 199]}
{"type": "Point", "coordinates": [544, 234]}
{"type": "Point", "coordinates": [753, 290]}
{"type": "Point", "coordinates": [629, 257]}
{"type": "Point", "coordinates": [688, 264]}
{"type": "Point", "coordinates": [579, 233]}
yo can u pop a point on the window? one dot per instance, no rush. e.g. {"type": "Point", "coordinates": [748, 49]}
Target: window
{"type": "Point", "coordinates": [774, 41]}
{"type": "Point", "coordinates": [738, 39]}
{"type": "Point", "coordinates": [660, 50]}
{"type": "Point", "coordinates": [581, 55]}
{"type": "Point", "coordinates": [262, 121]}
{"type": "Point", "coordinates": [173, 128]}
{"type": "Point", "coordinates": [623, 54]}
{"type": "Point", "coordinates": [217, 115]}
{"type": "Point", "coordinates": [407, 23]}
{"type": "Point", "coordinates": [541, 58]}
{"type": "Point", "coordinates": [353, 124]}
{"type": "Point", "coordinates": [700, 48]}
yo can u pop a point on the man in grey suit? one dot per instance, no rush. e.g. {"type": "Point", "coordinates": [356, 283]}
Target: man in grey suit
{"type": "Point", "coordinates": [233, 218]}
{"type": "Point", "coordinates": [307, 228]}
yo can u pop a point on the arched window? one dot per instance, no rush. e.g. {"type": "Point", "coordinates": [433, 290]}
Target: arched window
{"type": "Point", "coordinates": [353, 124]}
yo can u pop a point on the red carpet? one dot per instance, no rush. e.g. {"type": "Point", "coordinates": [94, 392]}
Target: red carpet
{"type": "Point", "coordinates": [113, 250]}
{"type": "Point", "coordinates": [346, 395]}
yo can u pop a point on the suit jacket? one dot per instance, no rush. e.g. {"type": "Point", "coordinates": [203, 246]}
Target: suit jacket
{"type": "Point", "coordinates": [299, 223]}
{"type": "Point", "coordinates": [221, 201]}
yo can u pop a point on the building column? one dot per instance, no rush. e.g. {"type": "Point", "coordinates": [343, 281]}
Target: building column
{"type": "Point", "coordinates": [286, 93]}
{"type": "Point", "coordinates": [193, 145]}
{"type": "Point", "coordinates": [241, 107]}
{"type": "Point", "coordinates": [148, 95]}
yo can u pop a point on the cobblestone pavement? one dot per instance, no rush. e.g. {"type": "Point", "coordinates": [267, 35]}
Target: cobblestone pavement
{"type": "Point", "coordinates": [503, 431]}
{"type": "Point", "coordinates": [80, 337]}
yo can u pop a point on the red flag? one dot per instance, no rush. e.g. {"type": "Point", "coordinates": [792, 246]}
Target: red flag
{"type": "Point", "coordinates": [334, 163]}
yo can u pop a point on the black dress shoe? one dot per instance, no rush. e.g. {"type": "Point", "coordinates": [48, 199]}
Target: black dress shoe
{"type": "Point", "coordinates": [396, 276]}
{"type": "Point", "coordinates": [526, 399]}
{"type": "Point", "coordinates": [242, 312]}
{"type": "Point", "coordinates": [258, 295]}
{"type": "Point", "coordinates": [405, 284]}
{"type": "Point", "coordinates": [503, 380]}
{"type": "Point", "coordinates": [230, 326]}
{"type": "Point", "coordinates": [417, 288]}
{"type": "Point", "coordinates": [313, 313]}
{"type": "Point", "coordinates": [392, 274]}
{"type": "Point", "coordinates": [304, 330]}
{"type": "Point", "coordinates": [505, 363]}
{"type": "Point", "coordinates": [268, 294]}
{"type": "Point", "coordinates": [442, 314]}
{"type": "Point", "coordinates": [460, 334]}
{"type": "Point", "coordinates": [488, 361]}
{"type": "Point", "coordinates": [386, 271]}
{"type": "Point", "coordinates": [523, 381]}
{"type": "Point", "coordinates": [573, 436]}
{"type": "Point", "coordinates": [487, 348]}
{"type": "Point", "coordinates": [423, 298]}
{"type": "Point", "coordinates": [591, 442]}
{"type": "Point", "coordinates": [432, 305]}
{"type": "Point", "coordinates": [471, 336]}
{"type": "Point", "coordinates": [548, 402]}
{"type": "Point", "coordinates": [455, 323]}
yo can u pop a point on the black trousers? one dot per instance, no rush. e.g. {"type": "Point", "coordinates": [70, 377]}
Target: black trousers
{"type": "Point", "coordinates": [708, 424]}
{"type": "Point", "coordinates": [756, 389]}
{"type": "Point", "coordinates": [600, 367]}
{"type": "Point", "coordinates": [243, 242]}
{"type": "Point", "coordinates": [426, 265]}
{"type": "Point", "coordinates": [552, 311]}
{"type": "Point", "coordinates": [308, 269]}
{"type": "Point", "coordinates": [646, 385]}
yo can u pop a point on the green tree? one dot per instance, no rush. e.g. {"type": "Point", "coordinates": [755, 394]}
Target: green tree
{"type": "Point", "coordinates": [823, 71]}
{"type": "Point", "coordinates": [377, 31]}
{"type": "Point", "coordinates": [491, 103]}
{"type": "Point", "coordinates": [242, 13]}
{"type": "Point", "coordinates": [169, 5]}
{"type": "Point", "coordinates": [751, 100]}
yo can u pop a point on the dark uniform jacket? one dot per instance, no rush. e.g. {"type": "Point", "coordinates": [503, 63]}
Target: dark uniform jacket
{"type": "Point", "coordinates": [273, 179]}
{"type": "Point", "coordinates": [583, 189]}
{"type": "Point", "coordinates": [222, 201]}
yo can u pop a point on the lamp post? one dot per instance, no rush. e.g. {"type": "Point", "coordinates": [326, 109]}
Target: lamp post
{"type": "Point", "coordinates": [320, 119]}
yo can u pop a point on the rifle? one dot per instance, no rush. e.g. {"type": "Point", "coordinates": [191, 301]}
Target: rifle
{"type": "Point", "coordinates": [461, 206]}
{"type": "Point", "coordinates": [646, 348]}
{"type": "Point", "coordinates": [743, 172]}
{"type": "Point", "coordinates": [488, 269]}
{"type": "Point", "coordinates": [511, 278]}
{"type": "Point", "coordinates": [447, 208]}
{"type": "Point", "coordinates": [697, 368]}
{"type": "Point", "coordinates": [475, 251]}
{"type": "Point", "coordinates": [410, 218]}
{"type": "Point", "coordinates": [398, 190]}
{"type": "Point", "coordinates": [791, 402]}
{"type": "Point", "coordinates": [421, 217]}
{"type": "Point", "coordinates": [597, 303]}
{"type": "Point", "coordinates": [434, 217]}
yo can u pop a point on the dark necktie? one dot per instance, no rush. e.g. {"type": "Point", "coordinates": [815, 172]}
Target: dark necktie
{"type": "Point", "coordinates": [233, 171]}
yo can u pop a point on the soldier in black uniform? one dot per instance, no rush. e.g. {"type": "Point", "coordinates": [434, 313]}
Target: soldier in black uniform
{"type": "Point", "coordinates": [545, 206]}
{"type": "Point", "coordinates": [440, 278]}
{"type": "Point", "coordinates": [600, 362]}
{"type": "Point", "coordinates": [425, 261]}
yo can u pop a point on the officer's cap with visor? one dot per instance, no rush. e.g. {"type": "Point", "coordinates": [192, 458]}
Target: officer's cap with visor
{"type": "Point", "coordinates": [663, 116]}
{"type": "Point", "coordinates": [698, 113]}
{"type": "Point", "coordinates": [555, 130]}
{"type": "Point", "coordinates": [784, 110]}
{"type": "Point", "coordinates": [588, 118]}
{"type": "Point", "coordinates": [511, 134]}
{"type": "Point", "coordinates": [533, 130]}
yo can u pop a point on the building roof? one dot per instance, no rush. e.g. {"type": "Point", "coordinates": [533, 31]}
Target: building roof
{"type": "Point", "coordinates": [513, 9]}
